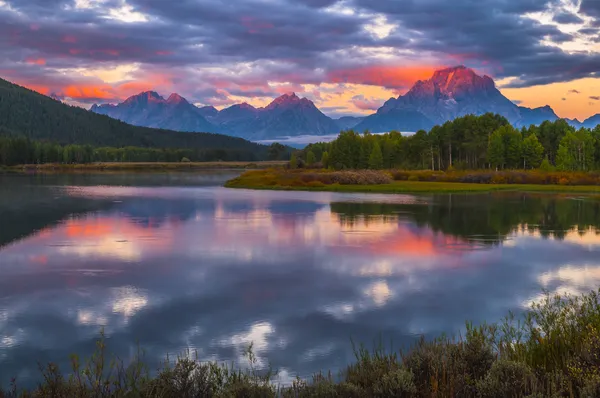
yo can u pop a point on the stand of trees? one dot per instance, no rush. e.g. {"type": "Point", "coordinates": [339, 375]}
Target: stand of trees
{"type": "Point", "coordinates": [469, 142]}
{"type": "Point", "coordinates": [20, 150]}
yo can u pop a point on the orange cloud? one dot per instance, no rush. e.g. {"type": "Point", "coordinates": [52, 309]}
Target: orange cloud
{"type": "Point", "coordinates": [83, 92]}
{"type": "Point", "coordinates": [36, 61]}
{"type": "Point", "coordinates": [384, 76]}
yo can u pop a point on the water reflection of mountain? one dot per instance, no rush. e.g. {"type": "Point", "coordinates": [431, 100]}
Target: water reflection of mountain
{"type": "Point", "coordinates": [485, 218]}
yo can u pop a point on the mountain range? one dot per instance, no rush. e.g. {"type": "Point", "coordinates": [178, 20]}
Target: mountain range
{"type": "Point", "coordinates": [448, 94]}
{"type": "Point", "coordinates": [26, 113]}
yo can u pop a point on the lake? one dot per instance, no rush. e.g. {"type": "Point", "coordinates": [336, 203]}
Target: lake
{"type": "Point", "coordinates": [180, 264]}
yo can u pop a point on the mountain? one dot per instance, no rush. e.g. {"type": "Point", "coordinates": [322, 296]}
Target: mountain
{"type": "Point", "coordinates": [592, 121]}
{"type": "Point", "coordinates": [290, 115]}
{"type": "Point", "coordinates": [450, 93]}
{"type": "Point", "coordinates": [208, 112]}
{"type": "Point", "coordinates": [536, 115]}
{"type": "Point", "coordinates": [235, 119]}
{"type": "Point", "coordinates": [574, 123]}
{"type": "Point", "coordinates": [348, 122]}
{"type": "Point", "coordinates": [287, 115]}
{"type": "Point", "coordinates": [149, 109]}
{"type": "Point", "coordinates": [406, 120]}
{"type": "Point", "coordinates": [27, 113]}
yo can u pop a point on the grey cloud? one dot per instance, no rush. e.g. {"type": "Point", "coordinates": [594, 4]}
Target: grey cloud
{"type": "Point", "coordinates": [590, 7]}
{"type": "Point", "coordinates": [567, 18]}
{"type": "Point", "coordinates": [595, 97]}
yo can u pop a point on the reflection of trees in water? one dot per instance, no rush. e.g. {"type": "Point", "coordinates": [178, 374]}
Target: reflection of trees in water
{"type": "Point", "coordinates": [486, 218]}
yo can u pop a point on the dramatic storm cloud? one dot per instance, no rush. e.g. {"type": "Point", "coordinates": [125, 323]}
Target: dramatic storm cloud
{"type": "Point", "coordinates": [347, 56]}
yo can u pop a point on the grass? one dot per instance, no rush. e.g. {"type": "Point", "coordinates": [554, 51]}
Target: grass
{"type": "Point", "coordinates": [553, 350]}
{"type": "Point", "coordinates": [142, 166]}
{"type": "Point", "coordinates": [299, 180]}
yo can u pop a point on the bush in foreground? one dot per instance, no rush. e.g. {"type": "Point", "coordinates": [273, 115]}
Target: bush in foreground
{"type": "Point", "coordinates": [552, 351]}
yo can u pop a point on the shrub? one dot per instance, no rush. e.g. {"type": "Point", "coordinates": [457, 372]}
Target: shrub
{"type": "Point", "coordinates": [398, 383]}
{"type": "Point", "coordinates": [185, 160]}
{"type": "Point", "coordinates": [507, 379]}
{"type": "Point", "coordinates": [413, 178]}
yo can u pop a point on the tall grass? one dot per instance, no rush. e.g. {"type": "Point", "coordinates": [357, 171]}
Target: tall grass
{"type": "Point", "coordinates": [553, 350]}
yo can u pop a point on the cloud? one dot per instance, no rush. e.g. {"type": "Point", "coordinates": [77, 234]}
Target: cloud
{"type": "Point", "coordinates": [567, 18]}
{"type": "Point", "coordinates": [574, 92]}
{"type": "Point", "coordinates": [564, 99]}
{"type": "Point", "coordinates": [210, 51]}
{"type": "Point", "coordinates": [366, 104]}
{"type": "Point", "coordinates": [595, 97]}
{"type": "Point", "coordinates": [385, 76]}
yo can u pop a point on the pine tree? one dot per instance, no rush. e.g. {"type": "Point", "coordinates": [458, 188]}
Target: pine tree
{"type": "Point", "coordinates": [376, 158]}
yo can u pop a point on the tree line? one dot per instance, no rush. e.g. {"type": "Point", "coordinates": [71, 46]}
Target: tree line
{"type": "Point", "coordinates": [21, 150]}
{"type": "Point", "coordinates": [488, 141]}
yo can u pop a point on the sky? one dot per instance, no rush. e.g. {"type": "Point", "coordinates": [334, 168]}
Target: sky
{"type": "Point", "coordinates": [348, 56]}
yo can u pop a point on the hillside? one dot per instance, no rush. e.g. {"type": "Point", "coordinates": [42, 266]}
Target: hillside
{"type": "Point", "coordinates": [25, 112]}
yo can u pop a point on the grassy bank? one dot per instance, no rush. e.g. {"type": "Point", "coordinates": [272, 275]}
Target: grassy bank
{"type": "Point", "coordinates": [140, 166]}
{"type": "Point", "coordinates": [415, 182]}
{"type": "Point", "coordinates": [552, 351]}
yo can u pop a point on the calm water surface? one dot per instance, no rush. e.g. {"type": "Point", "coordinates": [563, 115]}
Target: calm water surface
{"type": "Point", "coordinates": [179, 263]}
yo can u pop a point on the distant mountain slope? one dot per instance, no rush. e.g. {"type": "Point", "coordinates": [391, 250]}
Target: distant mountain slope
{"type": "Point", "coordinates": [536, 115]}
{"type": "Point", "coordinates": [592, 121]}
{"type": "Point", "coordinates": [290, 115]}
{"type": "Point", "coordinates": [404, 120]}
{"type": "Point", "coordinates": [149, 109]}
{"type": "Point", "coordinates": [348, 122]}
{"type": "Point", "coordinates": [36, 116]}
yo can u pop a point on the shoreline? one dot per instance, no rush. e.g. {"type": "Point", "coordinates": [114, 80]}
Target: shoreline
{"type": "Point", "coordinates": [139, 166]}
{"type": "Point", "coordinates": [276, 180]}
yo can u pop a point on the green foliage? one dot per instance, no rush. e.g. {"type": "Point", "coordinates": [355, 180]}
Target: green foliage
{"type": "Point", "coordinates": [532, 151]}
{"type": "Point", "coordinates": [293, 161]}
{"type": "Point", "coordinates": [545, 165]}
{"type": "Point", "coordinates": [497, 150]}
{"type": "Point", "coordinates": [507, 379]}
{"type": "Point", "coordinates": [276, 151]}
{"type": "Point", "coordinates": [376, 158]}
{"type": "Point", "coordinates": [310, 158]}
{"type": "Point", "coordinates": [325, 159]}
{"type": "Point", "coordinates": [20, 150]}
{"type": "Point", "coordinates": [467, 143]}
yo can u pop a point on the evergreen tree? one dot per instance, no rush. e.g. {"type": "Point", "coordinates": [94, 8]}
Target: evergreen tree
{"type": "Point", "coordinates": [532, 152]}
{"type": "Point", "coordinates": [376, 158]}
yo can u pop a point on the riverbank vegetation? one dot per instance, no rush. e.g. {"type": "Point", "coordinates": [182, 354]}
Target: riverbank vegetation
{"type": "Point", "coordinates": [407, 181]}
{"type": "Point", "coordinates": [20, 150]}
{"type": "Point", "coordinates": [553, 350]}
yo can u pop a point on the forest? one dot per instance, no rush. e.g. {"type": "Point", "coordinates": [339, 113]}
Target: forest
{"type": "Point", "coordinates": [21, 150]}
{"type": "Point", "coordinates": [468, 143]}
